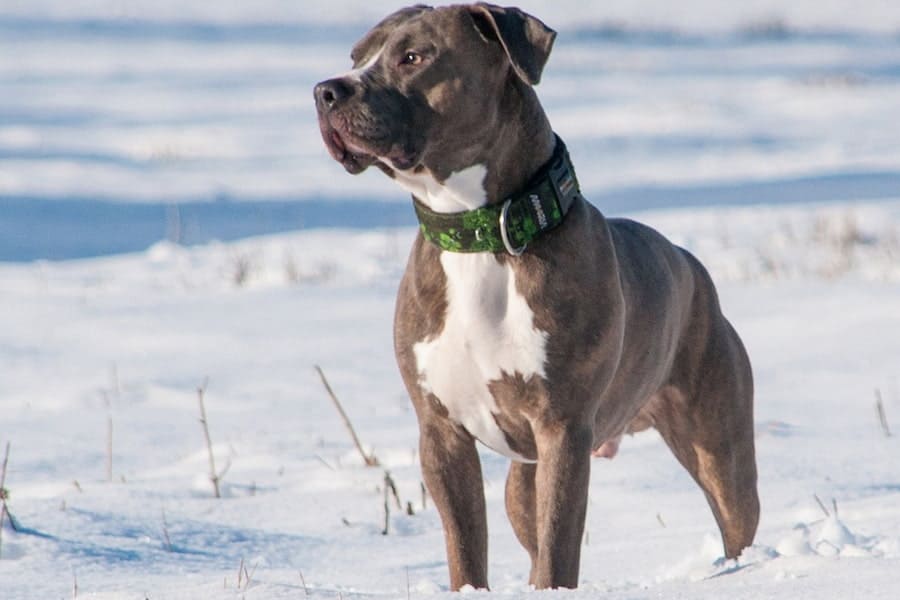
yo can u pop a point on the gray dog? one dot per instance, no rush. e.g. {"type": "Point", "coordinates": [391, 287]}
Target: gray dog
{"type": "Point", "coordinates": [525, 319]}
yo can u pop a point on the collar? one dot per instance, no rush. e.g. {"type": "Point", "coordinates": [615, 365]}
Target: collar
{"type": "Point", "coordinates": [513, 224]}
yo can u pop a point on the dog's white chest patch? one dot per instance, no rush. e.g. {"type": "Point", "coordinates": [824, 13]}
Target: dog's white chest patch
{"type": "Point", "coordinates": [463, 190]}
{"type": "Point", "coordinates": [488, 332]}
{"type": "Point", "coordinates": [489, 328]}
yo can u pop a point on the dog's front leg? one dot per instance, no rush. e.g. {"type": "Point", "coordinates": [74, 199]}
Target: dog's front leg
{"type": "Point", "coordinates": [452, 474]}
{"type": "Point", "coordinates": [561, 482]}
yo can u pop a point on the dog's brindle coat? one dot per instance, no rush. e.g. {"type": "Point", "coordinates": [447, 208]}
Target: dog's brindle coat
{"type": "Point", "coordinates": [602, 327]}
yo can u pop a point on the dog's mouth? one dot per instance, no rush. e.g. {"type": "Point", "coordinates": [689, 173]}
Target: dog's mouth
{"type": "Point", "coordinates": [352, 157]}
{"type": "Point", "coordinates": [356, 154]}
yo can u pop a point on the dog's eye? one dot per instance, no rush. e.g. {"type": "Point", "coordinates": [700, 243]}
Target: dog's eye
{"type": "Point", "coordinates": [411, 58]}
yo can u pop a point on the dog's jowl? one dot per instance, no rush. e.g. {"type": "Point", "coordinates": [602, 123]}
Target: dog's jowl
{"type": "Point", "coordinates": [526, 320]}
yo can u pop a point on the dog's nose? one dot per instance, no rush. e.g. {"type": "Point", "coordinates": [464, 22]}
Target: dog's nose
{"type": "Point", "coordinates": [331, 93]}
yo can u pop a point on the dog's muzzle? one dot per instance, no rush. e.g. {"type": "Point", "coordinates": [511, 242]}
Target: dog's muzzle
{"type": "Point", "coordinates": [332, 97]}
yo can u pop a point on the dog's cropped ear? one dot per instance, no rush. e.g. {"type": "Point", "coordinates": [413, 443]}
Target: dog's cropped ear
{"type": "Point", "coordinates": [526, 40]}
{"type": "Point", "coordinates": [377, 36]}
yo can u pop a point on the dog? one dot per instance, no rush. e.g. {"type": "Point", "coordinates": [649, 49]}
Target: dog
{"type": "Point", "coordinates": [525, 319]}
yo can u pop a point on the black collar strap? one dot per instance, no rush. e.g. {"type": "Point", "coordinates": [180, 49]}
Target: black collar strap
{"type": "Point", "coordinates": [511, 225]}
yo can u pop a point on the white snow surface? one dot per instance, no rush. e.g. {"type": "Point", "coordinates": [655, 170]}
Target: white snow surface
{"type": "Point", "coordinates": [813, 291]}
{"type": "Point", "coordinates": [872, 15]}
{"type": "Point", "coordinates": [207, 100]}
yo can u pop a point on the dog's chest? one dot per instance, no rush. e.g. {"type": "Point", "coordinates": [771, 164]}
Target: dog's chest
{"type": "Point", "coordinates": [488, 332]}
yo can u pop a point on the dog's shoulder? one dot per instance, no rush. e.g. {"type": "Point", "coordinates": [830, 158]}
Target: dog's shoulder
{"type": "Point", "coordinates": [647, 259]}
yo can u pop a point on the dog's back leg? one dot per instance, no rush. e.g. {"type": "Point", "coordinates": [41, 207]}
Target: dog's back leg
{"type": "Point", "coordinates": [521, 508]}
{"type": "Point", "coordinates": [708, 424]}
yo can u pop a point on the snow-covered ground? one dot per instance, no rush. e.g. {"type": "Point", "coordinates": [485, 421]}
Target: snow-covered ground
{"type": "Point", "coordinates": [814, 292]}
{"type": "Point", "coordinates": [775, 122]}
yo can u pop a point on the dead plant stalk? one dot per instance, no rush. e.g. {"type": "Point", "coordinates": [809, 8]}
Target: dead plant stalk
{"type": "Point", "coordinates": [165, 530]}
{"type": "Point", "coordinates": [3, 496]}
{"type": "Point", "coordinates": [368, 459]}
{"type": "Point", "coordinates": [882, 416]}
{"type": "Point", "coordinates": [213, 474]}
{"type": "Point", "coordinates": [303, 581]}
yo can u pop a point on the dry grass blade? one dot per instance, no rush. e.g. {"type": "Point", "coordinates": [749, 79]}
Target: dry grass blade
{"type": "Point", "coordinates": [389, 484]}
{"type": "Point", "coordinates": [4, 495]}
{"type": "Point", "coordinates": [387, 514]}
{"type": "Point", "coordinates": [213, 474]}
{"type": "Point", "coordinates": [369, 460]}
{"type": "Point", "coordinates": [168, 540]}
{"type": "Point", "coordinates": [248, 575]}
{"type": "Point", "coordinates": [303, 581]}
{"type": "Point", "coordinates": [882, 417]}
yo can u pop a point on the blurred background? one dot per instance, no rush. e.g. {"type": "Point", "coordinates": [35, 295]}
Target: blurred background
{"type": "Point", "coordinates": [126, 122]}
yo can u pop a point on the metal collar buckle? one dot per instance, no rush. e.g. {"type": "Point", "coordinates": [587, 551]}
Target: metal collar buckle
{"type": "Point", "coordinates": [505, 235]}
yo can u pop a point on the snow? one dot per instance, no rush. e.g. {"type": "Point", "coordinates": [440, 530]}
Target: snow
{"type": "Point", "coordinates": [131, 338]}
{"type": "Point", "coordinates": [871, 15]}
{"type": "Point", "coordinates": [208, 100]}
{"type": "Point", "coordinates": [762, 137]}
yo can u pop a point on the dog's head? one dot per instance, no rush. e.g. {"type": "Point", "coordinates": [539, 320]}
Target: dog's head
{"type": "Point", "coordinates": [427, 86]}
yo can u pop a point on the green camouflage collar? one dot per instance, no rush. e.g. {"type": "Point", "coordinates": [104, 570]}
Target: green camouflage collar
{"type": "Point", "coordinates": [511, 225]}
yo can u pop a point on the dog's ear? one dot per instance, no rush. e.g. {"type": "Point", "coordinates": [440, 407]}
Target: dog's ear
{"type": "Point", "coordinates": [377, 36]}
{"type": "Point", "coordinates": [526, 40]}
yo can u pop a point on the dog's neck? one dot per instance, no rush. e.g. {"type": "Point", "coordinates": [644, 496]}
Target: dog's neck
{"type": "Point", "coordinates": [517, 148]}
